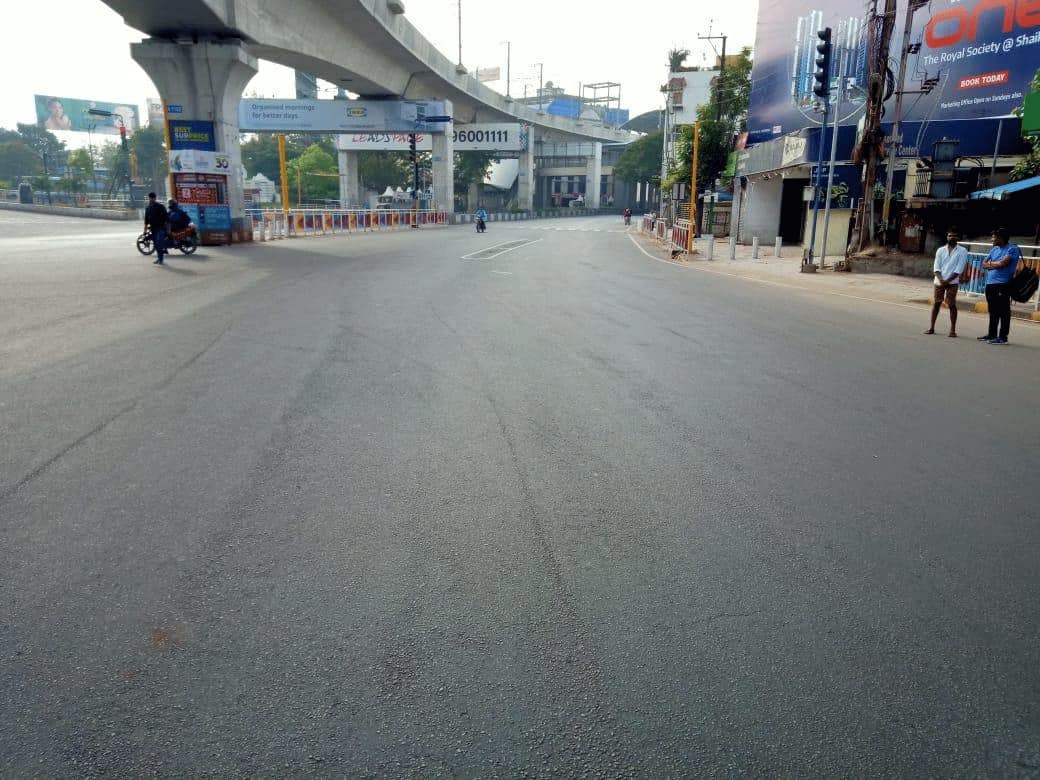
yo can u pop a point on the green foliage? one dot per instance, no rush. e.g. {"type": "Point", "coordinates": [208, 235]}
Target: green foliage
{"type": "Point", "coordinates": [471, 167]}
{"type": "Point", "coordinates": [379, 170]}
{"type": "Point", "coordinates": [81, 162]}
{"type": "Point", "coordinates": [18, 160]}
{"type": "Point", "coordinates": [720, 120]}
{"type": "Point", "coordinates": [314, 175]}
{"type": "Point", "coordinates": [676, 58]}
{"type": "Point", "coordinates": [641, 160]}
{"type": "Point", "coordinates": [42, 142]}
{"type": "Point", "coordinates": [1028, 166]}
{"type": "Point", "coordinates": [149, 146]}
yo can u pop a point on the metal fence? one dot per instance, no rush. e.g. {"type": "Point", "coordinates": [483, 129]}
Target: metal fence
{"type": "Point", "coordinates": [973, 280]}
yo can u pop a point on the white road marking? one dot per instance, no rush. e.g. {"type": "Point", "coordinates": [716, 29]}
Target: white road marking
{"type": "Point", "coordinates": [503, 273]}
{"type": "Point", "coordinates": [508, 248]}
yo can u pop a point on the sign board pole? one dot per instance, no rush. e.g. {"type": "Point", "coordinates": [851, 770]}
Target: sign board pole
{"type": "Point", "coordinates": [886, 207]}
{"type": "Point", "coordinates": [693, 185]}
{"type": "Point", "coordinates": [169, 148]}
{"type": "Point", "coordinates": [284, 175]}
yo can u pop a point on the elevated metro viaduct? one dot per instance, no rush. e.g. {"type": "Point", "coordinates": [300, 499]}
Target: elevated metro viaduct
{"type": "Point", "coordinates": [201, 54]}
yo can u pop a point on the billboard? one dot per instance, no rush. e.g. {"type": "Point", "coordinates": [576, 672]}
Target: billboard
{"type": "Point", "coordinates": [336, 116]}
{"type": "Point", "coordinates": [70, 114]}
{"type": "Point", "coordinates": [192, 134]}
{"type": "Point", "coordinates": [484, 136]}
{"type": "Point", "coordinates": [982, 55]}
{"type": "Point", "coordinates": [198, 161]}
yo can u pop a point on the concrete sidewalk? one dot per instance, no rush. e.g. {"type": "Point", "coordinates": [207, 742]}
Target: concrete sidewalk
{"type": "Point", "coordinates": [786, 271]}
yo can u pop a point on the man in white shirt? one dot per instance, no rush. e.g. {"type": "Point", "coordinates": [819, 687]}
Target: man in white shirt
{"type": "Point", "coordinates": [950, 261]}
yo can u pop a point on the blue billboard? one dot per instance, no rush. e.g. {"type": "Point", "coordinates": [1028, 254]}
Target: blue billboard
{"type": "Point", "coordinates": [978, 56]}
{"type": "Point", "coordinates": [192, 134]}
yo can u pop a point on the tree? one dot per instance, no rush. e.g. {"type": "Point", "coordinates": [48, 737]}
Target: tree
{"type": "Point", "coordinates": [149, 146]}
{"type": "Point", "coordinates": [379, 170]}
{"type": "Point", "coordinates": [314, 175]}
{"type": "Point", "coordinates": [676, 58]}
{"type": "Point", "coordinates": [18, 160]}
{"type": "Point", "coordinates": [471, 167]}
{"type": "Point", "coordinates": [641, 160]}
{"type": "Point", "coordinates": [81, 162]}
{"type": "Point", "coordinates": [41, 141]}
{"type": "Point", "coordinates": [1028, 166]}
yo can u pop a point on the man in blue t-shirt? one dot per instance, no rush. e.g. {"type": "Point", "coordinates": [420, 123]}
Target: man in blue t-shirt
{"type": "Point", "coordinates": [1000, 265]}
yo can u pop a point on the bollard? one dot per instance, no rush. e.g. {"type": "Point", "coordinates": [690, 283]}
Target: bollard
{"type": "Point", "coordinates": [776, 247]}
{"type": "Point", "coordinates": [711, 248]}
{"type": "Point", "coordinates": [754, 248]}
{"type": "Point", "coordinates": [732, 247]}
{"type": "Point", "coordinates": [263, 229]}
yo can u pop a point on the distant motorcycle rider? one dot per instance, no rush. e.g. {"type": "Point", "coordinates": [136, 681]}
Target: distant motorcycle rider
{"type": "Point", "coordinates": [482, 217]}
{"type": "Point", "coordinates": [155, 218]}
{"type": "Point", "coordinates": [178, 218]}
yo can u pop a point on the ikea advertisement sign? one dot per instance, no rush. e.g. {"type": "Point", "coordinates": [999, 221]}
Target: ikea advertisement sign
{"type": "Point", "coordinates": [978, 56]}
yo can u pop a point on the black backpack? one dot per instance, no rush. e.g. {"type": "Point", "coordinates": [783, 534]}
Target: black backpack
{"type": "Point", "coordinates": [1023, 285]}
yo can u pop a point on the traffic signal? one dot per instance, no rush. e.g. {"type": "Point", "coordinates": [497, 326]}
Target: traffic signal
{"type": "Point", "coordinates": [122, 136]}
{"type": "Point", "coordinates": [411, 144]}
{"type": "Point", "coordinates": [822, 76]}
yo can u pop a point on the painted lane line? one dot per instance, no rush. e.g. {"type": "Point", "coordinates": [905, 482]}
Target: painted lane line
{"type": "Point", "coordinates": [507, 246]}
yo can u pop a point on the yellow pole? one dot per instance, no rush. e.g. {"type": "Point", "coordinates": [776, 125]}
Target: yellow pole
{"type": "Point", "coordinates": [285, 176]}
{"type": "Point", "coordinates": [166, 135]}
{"type": "Point", "coordinates": [693, 184]}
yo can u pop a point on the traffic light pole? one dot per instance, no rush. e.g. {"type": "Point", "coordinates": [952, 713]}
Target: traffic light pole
{"type": "Point", "coordinates": [816, 191]}
{"type": "Point", "coordinates": [834, 153]}
{"type": "Point", "coordinates": [821, 88]}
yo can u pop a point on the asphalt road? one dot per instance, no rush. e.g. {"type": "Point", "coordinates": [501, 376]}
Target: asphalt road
{"type": "Point", "coordinates": [364, 506]}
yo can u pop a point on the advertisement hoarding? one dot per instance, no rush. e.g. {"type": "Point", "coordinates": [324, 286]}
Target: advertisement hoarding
{"type": "Point", "coordinates": [336, 116]}
{"type": "Point", "coordinates": [983, 54]}
{"type": "Point", "coordinates": [71, 114]}
{"type": "Point", "coordinates": [192, 134]}
{"type": "Point", "coordinates": [490, 137]}
{"type": "Point", "coordinates": [198, 161]}
{"type": "Point", "coordinates": [204, 197]}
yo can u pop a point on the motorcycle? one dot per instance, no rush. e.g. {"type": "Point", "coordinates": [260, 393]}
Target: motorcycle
{"type": "Point", "coordinates": [628, 219]}
{"type": "Point", "coordinates": [481, 227]}
{"type": "Point", "coordinates": [186, 240]}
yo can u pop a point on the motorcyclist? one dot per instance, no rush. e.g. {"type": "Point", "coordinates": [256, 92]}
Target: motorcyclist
{"type": "Point", "coordinates": [482, 217]}
{"type": "Point", "coordinates": [178, 219]}
{"type": "Point", "coordinates": [628, 216]}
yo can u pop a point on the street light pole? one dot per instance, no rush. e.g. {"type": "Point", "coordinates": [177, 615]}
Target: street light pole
{"type": "Point", "coordinates": [508, 52]}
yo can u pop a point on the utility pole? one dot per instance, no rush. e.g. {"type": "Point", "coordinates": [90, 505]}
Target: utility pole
{"type": "Point", "coordinates": [897, 139]}
{"type": "Point", "coordinates": [722, 71]}
{"type": "Point", "coordinates": [871, 139]}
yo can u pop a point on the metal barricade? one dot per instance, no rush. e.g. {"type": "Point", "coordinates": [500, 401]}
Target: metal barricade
{"type": "Point", "coordinates": [680, 235]}
{"type": "Point", "coordinates": [973, 280]}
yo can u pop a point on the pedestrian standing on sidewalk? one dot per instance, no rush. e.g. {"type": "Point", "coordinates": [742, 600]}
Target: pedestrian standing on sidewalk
{"type": "Point", "coordinates": [950, 261]}
{"type": "Point", "coordinates": [1000, 265]}
{"type": "Point", "coordinates": [155, 220]}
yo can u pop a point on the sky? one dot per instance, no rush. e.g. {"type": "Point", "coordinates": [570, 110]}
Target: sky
{"type": "Point", "coordinates": [81, 48]}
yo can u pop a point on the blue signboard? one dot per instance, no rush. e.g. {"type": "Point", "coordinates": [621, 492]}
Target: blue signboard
{"type": "Point", "coordinates": [192, 134]}
{"type": "Point", "coordinates": [980, 56]}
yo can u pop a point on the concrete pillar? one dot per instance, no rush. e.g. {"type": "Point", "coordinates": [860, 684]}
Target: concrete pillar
{"type": "Point", "coordinates": [473, 196]}
{"type": "Point", "coordinates": [349, 187]}
{"type": "Point", "coordinates": [444, 167]}
{"type": "Point", "coordinates": [207, 79]}
{"type": "Point", "coordinates": [525, 183]}
{"type": "Point", "coordinates": [594, 168]}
